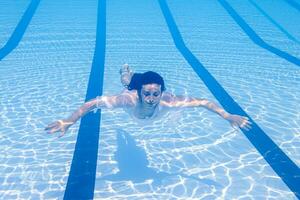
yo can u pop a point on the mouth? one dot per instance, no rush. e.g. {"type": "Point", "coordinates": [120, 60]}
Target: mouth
{"type": "Point", "coordinates": [150, 104]}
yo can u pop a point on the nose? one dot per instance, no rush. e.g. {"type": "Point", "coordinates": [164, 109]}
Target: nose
{"type": "Point", "coordinates": [151, 100]}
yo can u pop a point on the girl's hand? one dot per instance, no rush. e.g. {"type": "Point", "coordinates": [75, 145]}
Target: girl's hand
{"type": "Point", "coordinates": [59, 126]}
{"type": "Point", "coordinates": [239, 121]}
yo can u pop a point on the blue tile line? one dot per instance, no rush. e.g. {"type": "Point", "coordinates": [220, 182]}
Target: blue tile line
{"type": "Point", "coordinates": [254, 37]}
{"type": "Point", "coordinates": [81, 181]}
{"type": "Point", "coordinates": [293, 4]}
{"type": "Point", "coordinates": [288, 35]}
{"type": "Point", "coordinates": [19, 31]}
{"type": "Point", "coordinates": [277, 159]}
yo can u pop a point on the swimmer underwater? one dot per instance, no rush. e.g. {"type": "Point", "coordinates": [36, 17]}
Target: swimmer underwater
{"type": "Point", "coordinates": [145, 98]}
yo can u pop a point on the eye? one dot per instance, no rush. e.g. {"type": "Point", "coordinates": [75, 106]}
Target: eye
{"type": "Point", "coordinates": [147, 94]}
{"type": "Point", "coordinates": [156, 94]}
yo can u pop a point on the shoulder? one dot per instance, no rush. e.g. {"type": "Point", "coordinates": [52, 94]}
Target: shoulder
{"type": "Point", "coordinates": [124, 99]}
{"type": "Point", "coordinates": [168, 97]}
{"type": "Point", "coordinates": [172, 100]}
{"type": "Point", "coordinates": [127, 98]}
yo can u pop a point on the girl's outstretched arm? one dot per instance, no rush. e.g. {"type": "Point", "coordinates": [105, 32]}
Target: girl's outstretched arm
{"type": "Point", "coordinates": [96, 103]}
{"type": "Point", "coordinates": [234, 120]}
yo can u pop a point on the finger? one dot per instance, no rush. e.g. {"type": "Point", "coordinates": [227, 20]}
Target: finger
{"type": "Point", "coordinates": [246, 119]}
{"type": "Point", "coordinates": [248, 126]}
{"type": "Point", "coordinates": [54, 130]}
{"type": "Point", "coordinates": [245, 128]}
{"type": "Point", "coordinates": [63, 131]}
{"type": "Point", "coordinates": [247, 123]}
{"type": "Point", "coordinates": [51, 125]}
{"type": "Point", "coordinates": [62, 134]}
{"type": "Point", "coordinates": [51, 131]}
{"type": "Point", "coordinates": [244, 125]}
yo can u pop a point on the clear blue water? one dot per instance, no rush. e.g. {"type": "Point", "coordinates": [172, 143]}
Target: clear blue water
{"type": "Point", "coordinates": [45, 78]}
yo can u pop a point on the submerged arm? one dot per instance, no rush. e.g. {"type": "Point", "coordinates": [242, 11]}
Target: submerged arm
{"type": "Point", "coordinates": [181, 101]}
{"type": "Point", "coordinates": [234, 120]}
{"type": "Point", "coordinates": [212, 107]}
{"type": "Point", "coordinates": [99, 102]}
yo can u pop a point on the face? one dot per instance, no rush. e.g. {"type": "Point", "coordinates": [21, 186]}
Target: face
{"type": "Point", "coordinates": [151, 94]}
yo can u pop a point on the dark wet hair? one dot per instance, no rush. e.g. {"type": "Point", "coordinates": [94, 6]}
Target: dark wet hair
{"type": "Point", "coordinates": [138, 80]}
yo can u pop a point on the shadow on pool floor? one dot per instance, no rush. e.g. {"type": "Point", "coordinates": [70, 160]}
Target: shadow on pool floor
{"type": "Point", "coordinates": [133, 164]}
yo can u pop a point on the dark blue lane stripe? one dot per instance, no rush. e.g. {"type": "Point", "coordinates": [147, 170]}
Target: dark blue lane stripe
{"type": "Point", "coordinates": [19, 31]}
{"type": "Point", "coordinates": [81, 181]}
{"type": "Point", "coordinates": [254, 37]}
{"type": "Point", "coordinates": [293, 4]}
{"type": "Point", "coordinates": [274, 22]}
{"type": "Point", "coordinates": [277, 159]}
